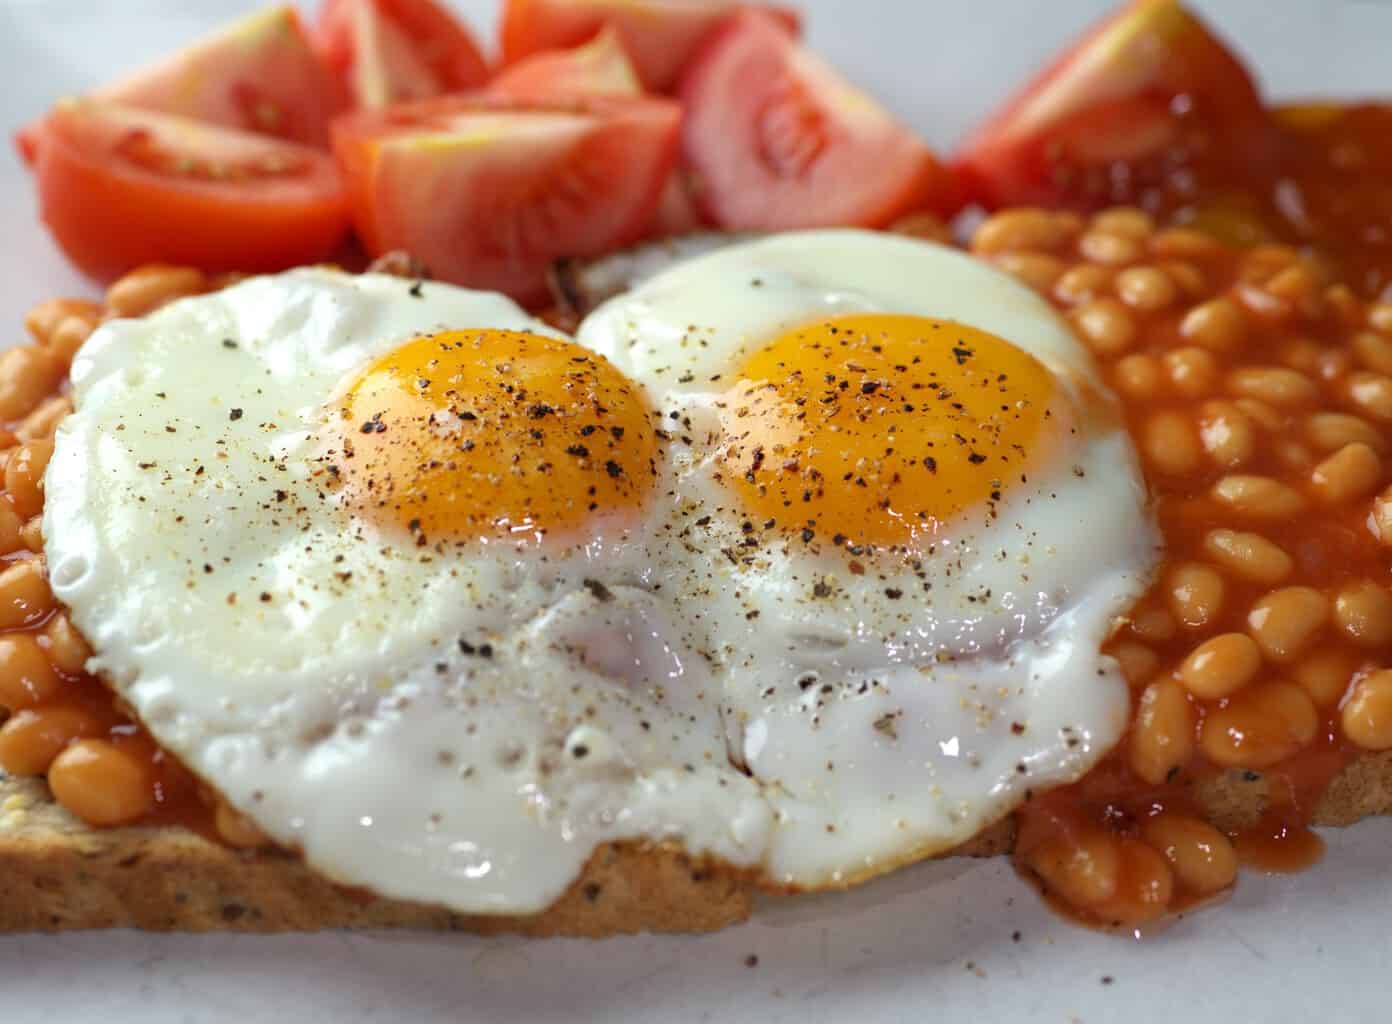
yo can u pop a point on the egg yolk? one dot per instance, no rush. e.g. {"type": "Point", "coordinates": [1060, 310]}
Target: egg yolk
{"type": "Point", "coordinates": [495, 434]}
{"type": "Point", "coordinates": [878, 429]}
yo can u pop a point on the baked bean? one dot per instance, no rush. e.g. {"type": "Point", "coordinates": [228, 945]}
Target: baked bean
{"type": "Point", "coordinates": [1294, 455]}
{"type": "Point", "coordinates": [1109, 249]}
{"type": "Point", "coordinates": [28, 375]}
{"type": "Point", "coordinates": [1105, 325]}
{"type": "Point", "coordinates": [24, 594]}
{"type": "Point", "coordinates": [1366, 716]}
{"type": "Point", "coordinates": [1227, 434]}
{"type": "Point", "coordinates": [1138, 662]}
{"type": "Point", "coordinates": [1381, 517]}
{"type": "Point", "coordinates": [1334, 365]}
{"type": "Point", "coordinates": [1153, 623]}
{"type": "Point", "coordinates": [1303, 355]}
{"type": "Point", "coordinates": [1325, 673]}
{"type": "Point", "coordinates": [1351, 472]}
{"type": "Point", "coordinates": [42, 320]}
{"type": "Point", "coordinates": [915, 225]}
{"type": "Point", "coordinates": [1082, 283]}
{"type": "Point", "coordinates": [1124, 220]}
{"type": "Point", "coordinates": [1344, 303]}
{"type": "Point", "coordinates": [11, 529]}
{"type": "Point", "coordinates": [1218, 325]}
{"type": "Point", "coordinates": [1258, 497]}
{"type": "Point", "coordinates": [70, 335]}
{"type": "Point", "coordinates": [1285, 622]}
{"type": "Point", "coordinates": [1262, 262]}
{"type": "Point", "coordinates": [1262, 414]}
{"type": "Point", "coordinates": [1145, 886]}
{"type": "Point", "coordinates": [1025, 228]}
{"type": "Point", "coordinates": [1082, 871]}
{"type": "Point", "coordinates": [1185, 244]}
{"type": "Point", "coordinates": [1248, 555]}
{"type": "Point", "coordinates": [1380, 317]}
{"type": "Point", "coordinates": [40, 424]}
{"type": "Point", "coordinates": [1273, 384]}
{"type": "Point", "coordinates": [1372, 394]}
{"type": "Point", "coordinates": [31, 534]}
{"type": "Point", "coordinates": [1298, 286]}
{"type": "Point", "coordinates": [1330, 431]}
{"type": "Point", "coordinates": [102, 784]}
{"type": "Point", "coordinates": [147, 288]}
{"type": "Point", "coordinates": [1220, 666]}
{"type": "Point", "coordinates": [1137, 376]}
{"type": "Point", "coordinates": [1036, 269]}
{"type": "Point", "coordinates": [1196, 594]}
{"type": "Point", "coordinates": [1203, 858]}
{"type": "Point", "coordinates": [1260, 726]}
{"type": "Point", "coordinates": [1171, 444]}
{"type": "Point", "coordinates": [1188, 277]}
{"type": "Point", "coordinates": [24, 476]}
{"type": "Point", "coordinates": [1374, 351]}
{"type": "Point", "coordinates": [1193, 371]}
{"type": "Point", "coordinates": [1149, 290]}
{"type": "Point", "coordinates": [1363, 613]}
{"type": "Point", "coordinates": [66, 647]}
{"type": "Point", "coordinates": [237, 829]}
{"type": "Point", "coordinates": [1162, 737]}
{"type": "Point", "coordinates": [32, 738]}
{"type": "Point", "coordinates": [26, 675]}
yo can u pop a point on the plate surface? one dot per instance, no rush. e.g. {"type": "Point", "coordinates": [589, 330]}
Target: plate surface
{"type": "Point", "coordinates": [964, 937]}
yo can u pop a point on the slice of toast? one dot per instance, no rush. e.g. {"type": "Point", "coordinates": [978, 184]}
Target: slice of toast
{"type": "Point", "coordinates": [57, 874]}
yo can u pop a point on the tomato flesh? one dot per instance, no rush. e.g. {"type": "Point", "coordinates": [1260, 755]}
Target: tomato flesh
{"type": "Point", "coordinates": [601, 67]}
{"type": "Point", "coordinates": [661, 36]}
{"type": "Point", "coordinates": [778, 140]}
{"type": "Point", "coordinates": [119, 187]}
{"type": "Point", "coordinates": [259, 74]}
{"type": "Point", "coordinates": [488, 192]}
{"type": "Point", "coordinates": [389, 51]}
{"type": "Point", "coordinates": [1148, 91]}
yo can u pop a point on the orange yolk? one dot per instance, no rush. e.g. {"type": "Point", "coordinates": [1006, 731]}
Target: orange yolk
{"type": "Point", "coordinates": [495, 434]}
{"type": "Point", "coordinates": [882, 428]}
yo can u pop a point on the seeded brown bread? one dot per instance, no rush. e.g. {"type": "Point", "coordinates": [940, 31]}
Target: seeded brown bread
{"type": "Point", "coordinates": [57, 874]}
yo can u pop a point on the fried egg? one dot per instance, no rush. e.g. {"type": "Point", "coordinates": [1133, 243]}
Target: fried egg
{"type": "Point", "coordinates": [779, 560]}
{"type": "Point", "coordinates": [884, 453]}
{"type": "Point", "coordinates": [385, 584]}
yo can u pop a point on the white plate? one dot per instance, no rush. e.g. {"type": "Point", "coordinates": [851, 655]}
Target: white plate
{"type": "Point", "coordinates": [963, 937]}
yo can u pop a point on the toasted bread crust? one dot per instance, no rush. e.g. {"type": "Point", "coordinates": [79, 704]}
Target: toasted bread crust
{"type": "Point", "coordinates": [57, 874]}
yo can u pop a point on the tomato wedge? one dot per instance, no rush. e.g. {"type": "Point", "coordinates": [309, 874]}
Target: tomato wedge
{"type": "Point", "coordinates": [387, 51]}
{"type": "Point", "coordinates": [779, 140]}
{"type": "Point", "coordinates": [259, 74]}
{"type": "Point", "coordinates": [599, 68]}
{"type": "Point", "coordinates": [1148, 92]}
{"type": "Point", "coordinates": [489, 191]}
{"type": "Point", "coordinates": [119, 187]}
{"type": "Point", "coordinates": [660, 35]}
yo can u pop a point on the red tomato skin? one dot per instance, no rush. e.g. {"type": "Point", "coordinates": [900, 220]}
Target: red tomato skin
{"type": "Point", "coordinates": [883, 173]}
{"type": "Point", "coordinates": [260, 74]}
{"type": "Point", "coordinates": [1054, 141]}
{"type": "Point", "coordinates": [381, 206]}
{"type": "Point", "coordinates": [661, 45]}
{"type": "Point", "coordinates": [600, 67]}
{"type": "Point", "coordinates": [111, 220]}
{"type": "Point", "coordinates": [443, 44]}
